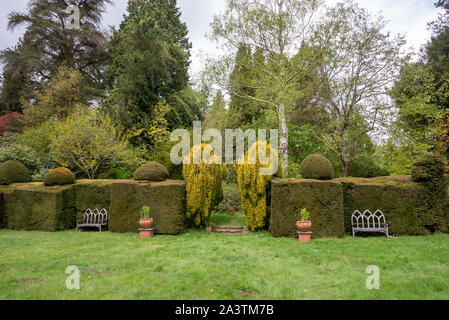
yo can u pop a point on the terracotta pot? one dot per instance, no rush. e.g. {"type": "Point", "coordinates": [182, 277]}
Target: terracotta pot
{"type": "Point", "coordinates": [209, 229]}
{"type": "Point", "coordinates": [146, 223]}
{"type": "Point", "coordinates": [304, 226]}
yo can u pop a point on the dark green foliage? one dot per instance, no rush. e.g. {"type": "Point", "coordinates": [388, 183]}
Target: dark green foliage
{"type": "Point", "coordinates": [91, 194]}
{"type": "Point", "coordinates": [152, 171]}
{"type": "Point", "coordinates": [428, 168]}
{"type": "Point", "coordinates": [365, 167]}
{"type": "Point", "coordinates": [35, 207]}
{"type": "Point", "coordinates": [167, 202]}
{"type": "Point", "coordinates": [162, 156]}
{"type": "Point", "coordinates": [317, 166]}
{"type": "Point", "coordinates": [13, 171]}
{"type": "Point", "coordinates": [59, 176]}
{"type": "Point", "coordinates": [324, 199]}
{"type": "Point", "coordinates": [410, 208]}
{"type": "Point", "coordinates": [47, 43]}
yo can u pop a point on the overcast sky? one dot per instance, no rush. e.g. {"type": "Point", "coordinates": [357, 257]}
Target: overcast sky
{"type": "Point", "coordinates": [409, 17]}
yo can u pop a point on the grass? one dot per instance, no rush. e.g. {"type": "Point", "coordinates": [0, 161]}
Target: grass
{"type": "Point", "coordinates": [198, 265]}
{"type": "Point", "coordinates": [226, 219]}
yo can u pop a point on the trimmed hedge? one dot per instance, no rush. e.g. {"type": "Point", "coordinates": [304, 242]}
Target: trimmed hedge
{"type": "Point", "coordinates": [152, 171]}
{"type": "Point", "coordinates": [167, 202]}
{"type": "Point", "coordinates": [13, 171]}
{"type": "Point", "coordinates": [35, 207]}
{"type": "Point", "coordinates": [317, 166]}
{"type": "Point", "coordinates": [324, 199]}
{"type": "Point", "coordinates": [60, 177]}
{"type": "Point", "coordinates": [410, 208]}
{"type": "Point", "coordinates": [91, 194]}
{"type": "Point", "coordinates": [428, 168]}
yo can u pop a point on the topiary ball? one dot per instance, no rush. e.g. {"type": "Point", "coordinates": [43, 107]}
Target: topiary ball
{"type": "Point", "coordinates": [317, 166]}
{"type": "Point", "coordinates": [152, 171]}
{"type": "Point", "coordinates": [428, 168]}
{"type": "Point", "coordinates": [59, 177]}
{"type": "Point", "coordinates": [13, 171]}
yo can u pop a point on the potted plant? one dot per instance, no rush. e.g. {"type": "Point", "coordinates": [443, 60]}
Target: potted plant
{"type": "Point", "coordinates": [145, 221]}
{"type": "Point", "coordinates": [210, 226]}
{"type": "Point", "coordinates": [304, 225]}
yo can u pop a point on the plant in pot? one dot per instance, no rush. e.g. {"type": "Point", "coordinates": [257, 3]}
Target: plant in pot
{"type": "Point", "coordinates": [210, 226]}
{"type": "Point", "coordinates": [304, 225]}
{"type": "Point", "coordinates": [145, 221]}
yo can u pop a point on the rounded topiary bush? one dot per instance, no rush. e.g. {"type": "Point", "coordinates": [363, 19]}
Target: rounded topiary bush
{"type": "Point", "coordinates": [152, 171]}
{"type": "Point", "coordinates": [59, 177]}
{"type": "Point", "coordinates": [428, 168]}
{"type": "Point", "coordinates": [317, 166]}
{"type": "Point", "coordinates": [13, 171]}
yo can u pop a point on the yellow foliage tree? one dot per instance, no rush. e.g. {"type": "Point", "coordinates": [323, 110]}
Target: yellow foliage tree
{"type": "Point", "coordinates": [253, 184]}
{"type": "Point", "coordinates": [62, 97]}
{"type": "Point", "coordinates": [203, 183]}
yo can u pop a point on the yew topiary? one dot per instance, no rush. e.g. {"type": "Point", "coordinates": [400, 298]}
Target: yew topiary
{"type": "Point", "coordinates": [204, 180]}
{"type": "Point", "coordinates": [317, 166]}
{"type": "Point", "coordinates": [253, 185]}
{"type": "Point", "coordinates": [59, 177]}
{"type": "Point", "coordinates": [428, 168]}
{"type": "Point", "coordinates": [13, 171]}
{"type": "Point", "coordinates": [152, 171]}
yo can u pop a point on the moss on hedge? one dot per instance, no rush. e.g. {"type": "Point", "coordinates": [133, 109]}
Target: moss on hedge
{"type": "Point", "coordinates": [152, 171]}
{"type": "Point", "coordinates": [317, 166]}
{"type": "Point", "coordinates": [324, 199]}
{"type": "Point", "coordinates": [167, 202]}
{"type": "Point", "coordinates": [59, 176]}
{"type": "Point", "coordinates": [36, 207]}
{"type": "Point", "coordinates": [13, 171]}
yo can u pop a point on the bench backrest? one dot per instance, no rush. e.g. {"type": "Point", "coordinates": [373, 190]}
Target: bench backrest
{"type": "Point", "coordinates": [368, 220]}
{"type": "Point", "coordinates": [96, 216]}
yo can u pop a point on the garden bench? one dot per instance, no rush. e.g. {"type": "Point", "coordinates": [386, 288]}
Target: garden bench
{"type": "Point", "coordinates": [369, 222]}
{"type": "Point", "coordinates": [96, 218]}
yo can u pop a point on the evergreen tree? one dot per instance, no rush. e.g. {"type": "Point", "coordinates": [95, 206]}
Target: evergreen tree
{"type": "Point", "coordinates": [150, 59]}
{"type": "Point", "coordinates": [47, 43]}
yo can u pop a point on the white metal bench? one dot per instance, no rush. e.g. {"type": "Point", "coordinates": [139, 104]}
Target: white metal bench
{"type": "Point", "coordinates": [369, 222]}
{"type": "Point", "coordinates": [96, 218]}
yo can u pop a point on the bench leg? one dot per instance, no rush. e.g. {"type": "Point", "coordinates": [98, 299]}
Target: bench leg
{"type": "Point", "coordinates": [99, 228]}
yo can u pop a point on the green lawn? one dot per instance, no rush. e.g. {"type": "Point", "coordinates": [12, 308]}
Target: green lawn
{"type": "Point", "coordinates": [226, 219]}
{"type": "Point", "coordinates": [198, 265]}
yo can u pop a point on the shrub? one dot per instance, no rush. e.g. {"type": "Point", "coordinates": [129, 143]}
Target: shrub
{"type": "Point", "coordinates": [317, 166]}
{"type": "Point", "coordinates": [13, 171]}
{"type": "Point", "coordinates": [59, 176]}
{"type": "Point", "coordinates": [152, 171]}
{"type": "Point", "coordinates": [11, 149]}
{"type": "Point", "coordinates": [231, 200]}
{"type": "Point", "coordinates": [86, 141]}
{"type": "Point", "coordinates": [254, 187]}
{"type": "Point", "coordinates": [428, 168]}
{"type": "Point", "coordinates": [365, 167]}
{"type": "Point", "coordinates": [162, 156]}
{"type": "Point", "coordinates": [204, 189]}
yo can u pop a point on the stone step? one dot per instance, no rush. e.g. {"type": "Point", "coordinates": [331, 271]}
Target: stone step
{"type": "Point", "coordinates": [230, 229]}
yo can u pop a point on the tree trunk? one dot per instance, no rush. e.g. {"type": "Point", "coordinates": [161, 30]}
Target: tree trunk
{"type": "Point", "coordinates": [345, 160]}
{"type": "Point", "coordinates": [283, 145]}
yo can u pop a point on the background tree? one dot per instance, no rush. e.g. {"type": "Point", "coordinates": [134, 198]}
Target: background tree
{"type": "Point", "coordinates": [150, 58]}
{"type": "Point", "coordinates": [360, 64]}
{"type": "Point", "coordinates": [277, 31]}
{"type": "Point", "coordinates": [86, 141]}
{"type": "Point", "coordinates": [47, 43]}
{"type": "Point", "coordinates": [59, 100]}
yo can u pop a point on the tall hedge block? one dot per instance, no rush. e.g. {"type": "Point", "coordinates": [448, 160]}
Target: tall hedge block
{"type": "Point", "coordinates": [91, 194]}
{"type": "Point", "coordinates": [324, 199]}
{"type": "Point", "coordinates": [35, 207]}
{"type": "Point", "coordinates": [167, 202]}
{"type": "Point", "coordinates": [397, 202]}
